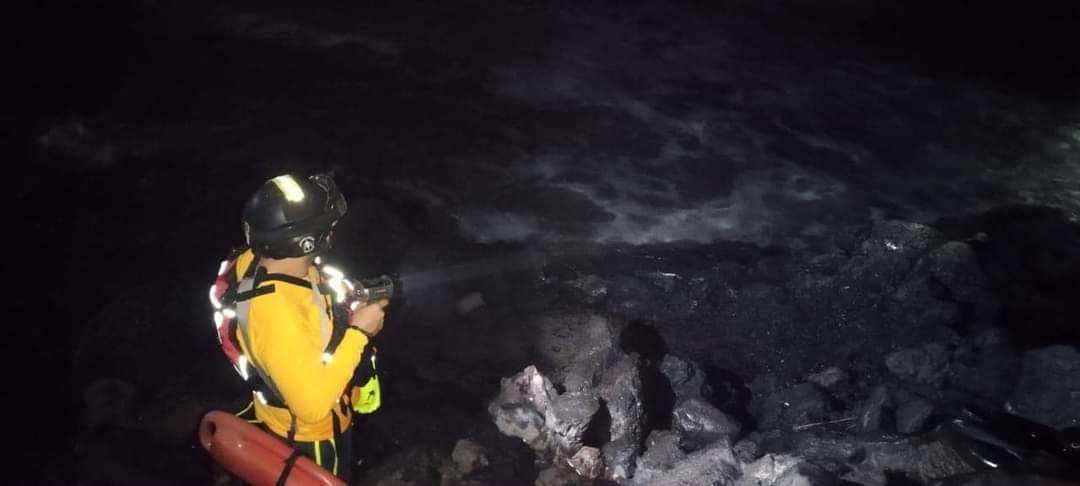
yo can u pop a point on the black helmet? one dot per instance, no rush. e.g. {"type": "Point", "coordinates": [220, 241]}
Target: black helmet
{"type": "Point", "coordinates": [292, 216]}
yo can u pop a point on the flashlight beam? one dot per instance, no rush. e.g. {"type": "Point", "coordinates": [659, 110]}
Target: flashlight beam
{"type": "Point", "coordinates": [512, 262]}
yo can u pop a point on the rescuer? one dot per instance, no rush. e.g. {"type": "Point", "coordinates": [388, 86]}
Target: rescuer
{"type": "Point", "coordinates": [287, 323]}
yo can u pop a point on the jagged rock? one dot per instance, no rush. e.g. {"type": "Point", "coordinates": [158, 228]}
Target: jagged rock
{"type": "Point", "coordinates": [687, 379]}
{"type": "Point", "coordinates": [830, 379]}
{"type": "Point", "coordinates": [798, 405]}
{"type": "Point", "coordinates": [521, 405]}
{"type": "Point", "coordinates": [620, 459]}
{"type": "Point", "coordinates": [888, 253]}
{"type": "Point", "coordinates": [955, 265]}
{"type": "Point", "coordinates": [108, 402]}
{"type": "Point", "coordinates": [912, 415]}
{"type": "Point", "coordinates": [747, 450]}
{"type": "Point", "coordinates": [870, 416]}
{"type": "Point", "coordinates": [588, 462]}
{"type": "Point", "coordinates": [813, 445]}
{"type": "Point", "coordinates": [572, 348]}
{"type": "Point", "coordinates": [712, 465]}
{"type": "Point", "coordinates": [569, 418]}
{"type": "Point", "coordinates": [926, 365]}
{"type": "Point", "coordinates": [468, 456]}
{"type": "Point", "coordinates": [918, 460]}
{"type": "Point", "coordinates": [925, 301]}
{"type": "Point", "coordinates": [662, 452]}
{"type": "Point", "coordinates": [766, 470]}
{"type": "Point", "coordinates": [560, 475]}
{"type": "Point", "coordinates": [621, 391]}
{"type": "Point", "coordinates": [805, 474]}
{"type": "Point", "coordinates": [865, 475]}
{"type": "Point", "coordinates": [700, 423]}
{"type": "Point", "coordinates": [987, 368]}
{"type": "Point", "coordinates": [947, 278]}
{"type": "Point", "coordinates": [1049, 387]}
{"type": "Point", "coordinates": [529, 408]}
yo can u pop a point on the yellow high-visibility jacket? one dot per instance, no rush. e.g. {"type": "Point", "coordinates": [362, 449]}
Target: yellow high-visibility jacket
{"type": "Point", "coordinates": [287, 343]}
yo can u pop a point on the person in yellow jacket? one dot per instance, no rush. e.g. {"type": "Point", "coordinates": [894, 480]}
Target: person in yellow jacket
{"type": "Point", "coordinates": [286, 322]}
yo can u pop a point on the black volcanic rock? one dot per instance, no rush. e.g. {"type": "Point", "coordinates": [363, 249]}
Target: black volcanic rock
{"type": "Point", "coordinates": [925, 365]}
{"type": "Point", "coordinates": [686, 378]}
{"type": "Point", "coordinates": [912, 415]}
{"type": "Point", "coordinates": [800, 404]}
{"type": "Point", "coordinates": [621, 392]}
{"type": "Point", "coordinates": [1049, 388]}
{"type": "Point", "coordinates": [870, 415]}
{"type": "Point", "coordinates": [700, 423]}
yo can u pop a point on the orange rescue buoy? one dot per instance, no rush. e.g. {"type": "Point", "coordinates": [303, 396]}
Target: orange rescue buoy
{"type": "Point", "coordinates": [255, 455]}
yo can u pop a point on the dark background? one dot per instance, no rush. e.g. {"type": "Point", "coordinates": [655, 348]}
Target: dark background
{"type": "Point", "coordinates": [68, 58]}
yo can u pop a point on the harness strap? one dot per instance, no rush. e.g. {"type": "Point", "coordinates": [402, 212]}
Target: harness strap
{"type": "Point", "coordinates": [289, 463]}
{"type": "Point", "coordinates": [242, 308]}
{"type": "Point", "coordinates": [324, 319]}
{"type": "Point", "coordinates": [291, 437]}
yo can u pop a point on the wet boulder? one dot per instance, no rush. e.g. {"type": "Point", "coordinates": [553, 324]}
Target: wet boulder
{"type": "Point", "coordinates": [621, 392]}
{"type": "Point", "coordinates": [521, 406]}
{"type": "Point", "coordinates": [916, 459]}
{"type": "Point", "coordinates": [927, 365]}
{"type": "Point", "coordinates": [814, 444]}
{"type": "Point", "coordinates": [747, 449]}
{"type": "Point", "coordinates": [885, 255]}
{"type": "Point", "coordinates": [956, 266]}
{"type": "Point", "coordinates": [781, 470]}
{"type": "Point", "coordinates": [1049, 387]}
{"type": "Point", "coordinates": [528, 407]}
{"type": "Point", "coordinates": [923, 301]}
{"type": "Point", "coordinates": [620, 459]}
{"type": "Point", "coordinates": [560, 475]}
{"type": "Point", "coordinates": [686, 378]}
{"type": "Point", "coordinates": [766, 470]}
{"type": "Point", "coordinates": [468, 456]}
{"type": "Point", "coordinates": [986, 368]}
{"type": "Point", "coordinates": [662, 452]}
{"type": "Point", "coordinates": [912, 414]}
{"type": "Point", "coordinates": [714, 464]}
{"type": "Point", "coordinates": [699, 423]}
{"type": "Point", "coordinates": [569, 419]}
{"type": "Point", "coordinates": [588, 462]}
{"type": "Point", "coordinates": [571, 348]}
